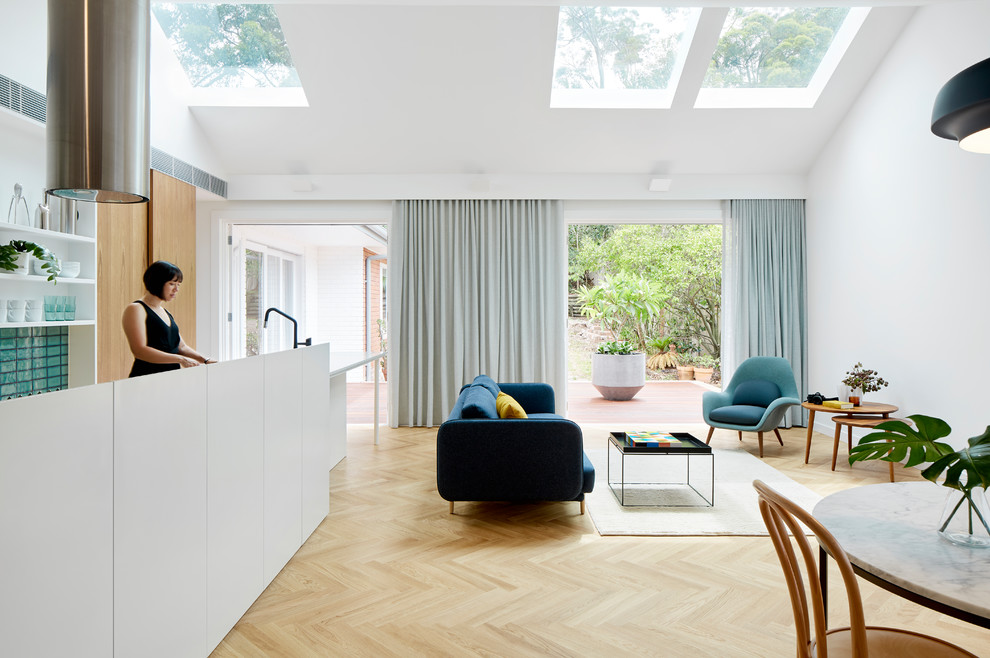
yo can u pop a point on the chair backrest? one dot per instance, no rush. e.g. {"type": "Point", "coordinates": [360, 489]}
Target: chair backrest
{"type": "Point", "coordinates": [756, 393]}
{"type": "Point", "coordinates": [781, 516]}
{"type": "Point", "coordinates": [769, 368]}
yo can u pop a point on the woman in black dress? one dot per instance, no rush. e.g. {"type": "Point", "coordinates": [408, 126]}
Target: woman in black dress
{"type": "Point", "coordinates": [151, 331]}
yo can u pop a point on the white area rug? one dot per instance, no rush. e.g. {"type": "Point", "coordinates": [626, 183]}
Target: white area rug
{"type": "Point", "coordinates": [736, 511]}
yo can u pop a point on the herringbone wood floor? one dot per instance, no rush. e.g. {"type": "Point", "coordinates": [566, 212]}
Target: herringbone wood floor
{"type": "Point", "coordinates": [391, 573]}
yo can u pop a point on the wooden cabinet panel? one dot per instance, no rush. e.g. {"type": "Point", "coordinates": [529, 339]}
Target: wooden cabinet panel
{"type": "Point", "coordinates": [172, 237]}
{"type": "Point", "coordinates": [122, 257]}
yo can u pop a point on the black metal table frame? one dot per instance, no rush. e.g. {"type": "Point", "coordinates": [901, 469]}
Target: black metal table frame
{"type": "Point", "coordinates": [698, 449]}
{"type": "Point", "coordinates": [914, 597]}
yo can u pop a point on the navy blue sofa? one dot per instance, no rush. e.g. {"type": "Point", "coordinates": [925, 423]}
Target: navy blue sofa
{"type": "Point", "coordinates": [483, 458]}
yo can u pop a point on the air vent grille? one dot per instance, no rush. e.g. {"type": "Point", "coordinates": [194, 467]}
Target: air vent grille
{"type": "Point", "coordinates": [32, 104]}
{"type": "Point", "coordinates": [5, 92]}
{"type": "Point", "coordinates": [16, 97]}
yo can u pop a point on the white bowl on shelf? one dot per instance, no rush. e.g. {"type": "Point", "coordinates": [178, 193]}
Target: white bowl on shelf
{"type": "Point", "coordinates": [70, 269]}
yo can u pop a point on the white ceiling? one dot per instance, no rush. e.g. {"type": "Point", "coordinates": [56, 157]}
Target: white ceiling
{"type": "Point", "coordinates": [464, 88]}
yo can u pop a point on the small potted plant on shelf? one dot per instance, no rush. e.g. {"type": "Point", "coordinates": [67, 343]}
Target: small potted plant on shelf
{"type": "Point", "coordinates": [966, 518]}
{"type": "Point", "coordinates": [617, 371]}
{"type": "Point", "coordinates": [860, 381]}
{"type": "Point", "coordinates": [15, 257]}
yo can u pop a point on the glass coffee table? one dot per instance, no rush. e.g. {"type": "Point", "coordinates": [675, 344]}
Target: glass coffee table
{"type": "Point", "coordinates": [681, 474]}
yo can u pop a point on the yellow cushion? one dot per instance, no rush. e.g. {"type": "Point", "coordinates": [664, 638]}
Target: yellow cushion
{"type": "Point", "coordinates": [508, 407]}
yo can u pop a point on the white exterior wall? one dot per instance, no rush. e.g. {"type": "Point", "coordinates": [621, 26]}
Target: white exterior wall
{"type": "Point", "coordinates": [340, 301]}
{"type": "Point", "coordinates": [898, 228]}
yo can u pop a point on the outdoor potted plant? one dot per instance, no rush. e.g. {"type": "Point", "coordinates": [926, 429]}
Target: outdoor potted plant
{"type": "Point", "coordinates": [617, 371]}
{"type": "Point", "coordinates": [15, 257]}
{"type": "Point", "coordinates": [966, 517]}
{"type": "Point", "coordinates": [685, 366]}
{"type": "Point", "coordinates": [704, 367]}
{"type": "Point", "coordinates": [860, 381]}
{"type": "Point", "coordinates": [664, 356]}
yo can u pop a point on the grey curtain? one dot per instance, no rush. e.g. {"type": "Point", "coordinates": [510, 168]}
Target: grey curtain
{"type": "Point", "coordinates": [765, 310]}
{"type": "Point", "coordinates": [480, 287]}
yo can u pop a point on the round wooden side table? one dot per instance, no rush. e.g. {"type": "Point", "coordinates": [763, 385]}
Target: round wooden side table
{"type": "Point", "coordinates": [865, 409]}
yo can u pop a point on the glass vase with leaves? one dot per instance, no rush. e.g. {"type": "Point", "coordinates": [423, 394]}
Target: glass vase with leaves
{"type": "Point", "coordinates": [966, 518]}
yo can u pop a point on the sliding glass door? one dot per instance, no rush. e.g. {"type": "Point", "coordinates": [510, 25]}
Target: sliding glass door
{"type": "Point", "coordinates": [265, 277]}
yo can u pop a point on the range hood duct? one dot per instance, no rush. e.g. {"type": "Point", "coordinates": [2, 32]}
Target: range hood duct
{"type": "Point", "coordinates": [98, 109]}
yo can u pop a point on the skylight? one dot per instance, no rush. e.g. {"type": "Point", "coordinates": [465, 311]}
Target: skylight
{"type": "Point", "coordinates": [233, 53]}
{"type": "Point", "coordinates": [620, 56]}
{"type": "Point", "coordinates": [777, 56]}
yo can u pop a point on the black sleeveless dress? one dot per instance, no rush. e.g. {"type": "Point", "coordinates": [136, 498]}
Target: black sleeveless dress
{"type": "Point", "coordinates": [161, 336]}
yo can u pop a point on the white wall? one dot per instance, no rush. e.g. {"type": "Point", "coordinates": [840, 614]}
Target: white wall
{"type": "Point", "coordinates": [340, 300]}
{"type": "Point", "coordinates": [22, 141]}
{"type": "Point", "coordinates": [174, 128]}
{"type": "Point", "coordinates": [898, 230]}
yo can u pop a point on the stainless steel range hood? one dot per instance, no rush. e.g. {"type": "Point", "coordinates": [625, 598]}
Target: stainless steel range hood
{"type": "Point", "coordinates": [98, 109]}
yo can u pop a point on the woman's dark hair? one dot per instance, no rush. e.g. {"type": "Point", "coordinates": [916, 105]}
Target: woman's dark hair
{"type": "Point", "coordinates": [158, 274]}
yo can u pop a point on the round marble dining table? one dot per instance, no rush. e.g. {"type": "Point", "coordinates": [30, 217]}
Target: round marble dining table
{"type": "Point", "coordinates": [889, 533]}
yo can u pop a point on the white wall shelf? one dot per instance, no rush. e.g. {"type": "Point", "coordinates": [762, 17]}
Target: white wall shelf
{"type": "Point", "coordinates": [46, 234]}
{"type": "Point", "coordinates": [57, 323]}
{"type": "Point", "coordinates": [38, 278]}
{"type": "Point", "coordinates": [79, 247]}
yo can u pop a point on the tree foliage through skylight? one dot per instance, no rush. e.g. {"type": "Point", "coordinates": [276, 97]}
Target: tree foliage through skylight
{"type": "Point", "coordinates": [228, 45]}
{"type": "Point", "coordinates": [773, 47]}
{"type": "Point", "coordinates": [617, 47]}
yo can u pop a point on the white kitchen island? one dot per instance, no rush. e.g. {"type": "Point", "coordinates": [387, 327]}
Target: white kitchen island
{"type": "Point", "coordinates": [144, 516]}
{"type": "Point", "coordinates": [341, 362]}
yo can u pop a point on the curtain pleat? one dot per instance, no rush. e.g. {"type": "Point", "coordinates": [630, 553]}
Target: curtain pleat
{"type": "Point", "coordinates": [764, 294]}
{"type": "Point", "coordinates": [481, 288]}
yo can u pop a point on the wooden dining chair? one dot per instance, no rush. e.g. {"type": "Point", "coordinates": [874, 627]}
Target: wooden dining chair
{"type": "Point", "coordinates": [782, 516]}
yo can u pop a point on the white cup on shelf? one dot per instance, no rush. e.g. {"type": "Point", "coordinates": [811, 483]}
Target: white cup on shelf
{"type": "Point", "coordinates": [34, 310]}
{"type": "Point", "coordinates": [15, 310]}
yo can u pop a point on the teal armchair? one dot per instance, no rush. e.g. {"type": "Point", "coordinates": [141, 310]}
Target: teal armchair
{"type": "Point", "coordinates": [761, 391]}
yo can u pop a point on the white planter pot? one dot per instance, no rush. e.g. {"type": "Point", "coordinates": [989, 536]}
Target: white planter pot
{"type": "Point", "coordinates": [618, 376]}
{"type": "Point", "coordinates": [23, 262]}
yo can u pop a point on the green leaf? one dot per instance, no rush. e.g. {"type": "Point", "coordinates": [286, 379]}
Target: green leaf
{"type": "Point", "coordinates": [897, 440]}
{"type": "Point", "coordinates": [972, 461]}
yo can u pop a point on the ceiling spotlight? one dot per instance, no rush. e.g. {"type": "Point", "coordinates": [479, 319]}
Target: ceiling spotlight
{"type": "Point", "coordinates": [962, 109]}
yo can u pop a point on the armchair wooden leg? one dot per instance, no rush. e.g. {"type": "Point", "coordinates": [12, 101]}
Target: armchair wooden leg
{"type": "Point", "coordinates": [759, 436]}
{"type": "Point", "coordinates": [740, 436]}
{"type": "Point", "coordinates": [711, 430]}
{"type": "Point", "coordinates": [835, 444]}
{"type": "Point", "coordinates": [582, 504]}
{"type": "Point", "coordinates": [451, 507]}
{"type": "Point", "coordinates": [779, 440]}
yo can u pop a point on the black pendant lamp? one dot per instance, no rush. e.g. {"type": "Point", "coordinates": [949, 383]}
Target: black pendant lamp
{"type": "Point", "coordinates": [962, 109]}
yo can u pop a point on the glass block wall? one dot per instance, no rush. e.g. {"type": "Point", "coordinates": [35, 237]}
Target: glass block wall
{"type": "Point", "coordinates": [33, 360]}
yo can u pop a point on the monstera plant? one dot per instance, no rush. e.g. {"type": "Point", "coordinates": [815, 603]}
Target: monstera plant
{"type": "Point", "coordinates": [966, 471]}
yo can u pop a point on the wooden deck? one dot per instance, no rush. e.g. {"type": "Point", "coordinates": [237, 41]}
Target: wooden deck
{"type": "Point", "coordinates": [661, 403]}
